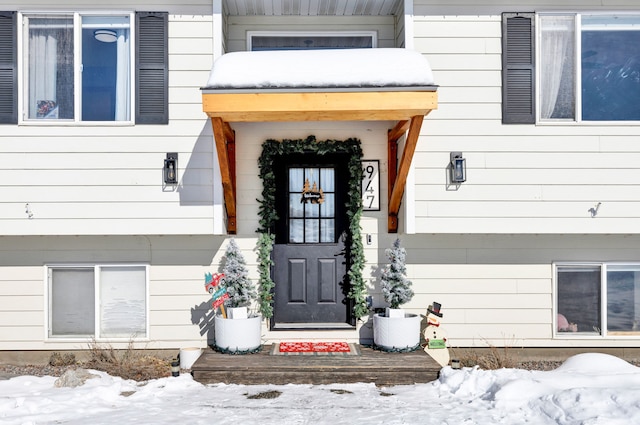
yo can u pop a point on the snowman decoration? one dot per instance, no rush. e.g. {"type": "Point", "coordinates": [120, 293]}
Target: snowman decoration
{"type": "Point", "coordinates": [435, 337]}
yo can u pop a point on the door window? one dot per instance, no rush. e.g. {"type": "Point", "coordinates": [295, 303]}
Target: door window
{"type": "Point", "coordinates": [312, 205]}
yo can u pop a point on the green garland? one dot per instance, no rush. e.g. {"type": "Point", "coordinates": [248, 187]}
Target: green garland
{"type": "Point", "coordinates": [266, 284]}
{"type": "Point", "coordinates": [394, 349]}
{"type": "Point", "coordinates": [268, 216]}
{"type": "Point", "coordinates": [236, 352]}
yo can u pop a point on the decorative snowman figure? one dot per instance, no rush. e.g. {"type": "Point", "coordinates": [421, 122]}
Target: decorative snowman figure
{"type": "Point", "coordinates": [435, 337]}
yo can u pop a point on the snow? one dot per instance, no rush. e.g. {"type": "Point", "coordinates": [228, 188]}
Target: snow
{"type": "Point", "coordinates": [350, 68]}
{"type": "Point", "coordinates": [586, 389]}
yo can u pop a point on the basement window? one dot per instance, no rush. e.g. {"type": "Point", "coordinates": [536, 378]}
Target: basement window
{"type": "Point", "coordinates": [97, 301]}
{"type": "Point", "coordinates": [598, 299]}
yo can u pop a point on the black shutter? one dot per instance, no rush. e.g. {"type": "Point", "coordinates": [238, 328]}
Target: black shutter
{"type": "Point", "coordinates": [8, 69]}
{"type": "Point", "coordinates": [152, 70]}
{"type": "Point", "coordinates": [518, 68]}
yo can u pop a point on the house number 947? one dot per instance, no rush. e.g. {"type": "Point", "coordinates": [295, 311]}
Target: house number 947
{"type": "Point", "coordinates": [371, 185]}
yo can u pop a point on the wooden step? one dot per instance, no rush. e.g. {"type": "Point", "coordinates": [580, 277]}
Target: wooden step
{"type": "Point", "coordinates": [379, 367]}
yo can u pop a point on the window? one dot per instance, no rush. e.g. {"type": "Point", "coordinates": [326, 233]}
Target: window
{"type": "Point", "coordinates": [590, 67]}
{"type": "Point", "coordinates": [312, 205]}
{"type": "Point", "coordinates": [100, 301]}
{"type": "Point", "coordinates": [598, 299]}
{"type": "Point", "coordinates": [90, 84]}
{"type": "Point", "coordinates": [269, 40]}
{"type": "Point", "coordinates": [81, 67]}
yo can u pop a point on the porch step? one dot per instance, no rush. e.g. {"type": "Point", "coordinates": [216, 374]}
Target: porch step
{"type": "Point", "coordinates": [379, 367]}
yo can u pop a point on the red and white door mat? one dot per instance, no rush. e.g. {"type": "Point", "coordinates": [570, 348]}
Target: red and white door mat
{"type": "Point", "coordinates": [314, 348]}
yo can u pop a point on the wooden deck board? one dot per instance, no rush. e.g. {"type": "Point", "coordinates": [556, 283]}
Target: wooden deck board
{"type": "Point", "coordinates": [379, 367]}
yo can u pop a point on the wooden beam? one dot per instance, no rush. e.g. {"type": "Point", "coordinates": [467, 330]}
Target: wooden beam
{"type": "Point", "coordinates": [397, 191]}
{"type": "Point", "coordinates": [229, 134]}
{"type": "Point", "coordinates": [398, 131]}
{"type": "Point", "coordinates": [246, 106]}
{"type": "Point", "coordinates": [318, 106]}
{"type": "Point", "coordinates": [392, 160]}
{"type": "Point", "coordinates": [227, 170]}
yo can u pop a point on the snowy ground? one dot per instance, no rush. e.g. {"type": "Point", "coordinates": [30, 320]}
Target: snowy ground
{"type": "Point", "coordinates": [586, 389]}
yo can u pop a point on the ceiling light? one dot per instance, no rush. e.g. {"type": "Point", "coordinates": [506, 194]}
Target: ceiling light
{"type": "Point", "coordinates": [106, 36]}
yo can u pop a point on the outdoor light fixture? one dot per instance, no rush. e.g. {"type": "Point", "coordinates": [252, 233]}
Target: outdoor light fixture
{"type": "Point", "coordinates": [458, 168]}
{"type": "Point", "coordinates": [105, 36]}
{"type": "Point", "coordinates": [170, 171]}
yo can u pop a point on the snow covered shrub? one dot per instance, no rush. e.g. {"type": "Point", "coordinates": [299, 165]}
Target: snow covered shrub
{"type": "Point", "coordinates": [240, 288]}
{"type": "Point", "coordinates": [396, 288]}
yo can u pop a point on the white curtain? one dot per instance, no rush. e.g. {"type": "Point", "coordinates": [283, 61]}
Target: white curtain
{"type": "Point", "coordinates": [43, 65]}
{"type": "Point", "coordinates": [123, 78]}
{"type": "Point", "coordinates": [557, 53]}
{"type": "Point", "coordinates": [123, 303]}
{"type": "Point", "coordinates": [72, 301]}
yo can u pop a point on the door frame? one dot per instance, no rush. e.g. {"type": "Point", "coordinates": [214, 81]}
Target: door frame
{"type": "Point", "coordinates": [357, 290]}
{"type": "Point", "coordinates": [308, 256]}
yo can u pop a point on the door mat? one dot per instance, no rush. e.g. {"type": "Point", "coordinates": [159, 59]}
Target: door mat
{"type": "Point", "coordinates": [314, 349]}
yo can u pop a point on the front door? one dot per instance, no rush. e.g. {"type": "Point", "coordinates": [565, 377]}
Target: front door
{"type": "Point", "coordinates": [309, 253]}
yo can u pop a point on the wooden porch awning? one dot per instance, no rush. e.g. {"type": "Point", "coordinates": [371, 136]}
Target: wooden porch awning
{"type": "Point", "coordinates": [407, 105]}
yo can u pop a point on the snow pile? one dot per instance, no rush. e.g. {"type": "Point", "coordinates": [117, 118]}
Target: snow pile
{"type": "Point", "coordinates": [586, 389]}
{"type": "Point", "coordinates": [349, 68]}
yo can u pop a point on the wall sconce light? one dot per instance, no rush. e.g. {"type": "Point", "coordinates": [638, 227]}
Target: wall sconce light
{"type": "Point", "coordinates": [170, 171]}
{"type": "Point", "coordinates": [458, 168]}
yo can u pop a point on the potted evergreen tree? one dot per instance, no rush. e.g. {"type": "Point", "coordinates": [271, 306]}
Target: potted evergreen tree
{"type": "Point", "coordinates": [396, 330]}
{"type": "Point", "coordinates": [240, 331]}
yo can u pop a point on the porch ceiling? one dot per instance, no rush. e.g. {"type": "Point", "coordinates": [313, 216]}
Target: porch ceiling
{"type": "Point", "coordinates": [311, 7]}
{"type": "Point", "coordinates": [406, 106]}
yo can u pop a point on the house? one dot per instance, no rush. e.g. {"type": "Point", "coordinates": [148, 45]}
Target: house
{"type": "Point", "coordinates": [511, 180]}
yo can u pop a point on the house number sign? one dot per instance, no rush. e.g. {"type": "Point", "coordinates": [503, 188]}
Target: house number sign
{"type": "Point", "coordinates": [371, 185]}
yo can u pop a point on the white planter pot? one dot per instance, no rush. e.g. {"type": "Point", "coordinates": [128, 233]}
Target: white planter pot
{"type": "Point", "coordinates": [238, 334]}
{"type": "Point", "coordinates": [396, 333]}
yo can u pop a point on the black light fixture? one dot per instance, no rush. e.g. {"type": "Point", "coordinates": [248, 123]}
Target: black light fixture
{"type": "Point", "coordinates": [170, 171]}
{"type": "Point", "coordinates": [458, 168]}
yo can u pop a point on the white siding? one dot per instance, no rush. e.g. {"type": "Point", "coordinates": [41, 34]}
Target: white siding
{"type": "Point", "coordinates": [497, 290]}
{"type": "Point", "coordinates": [484, 251]}
{"type": "Point", "coordinates": [195, 7]}
{"type": "Point", "coordinates": [520, 178]}
{"type": "Point", "coordinates": [107, 179]}
{"type": "Point", "coordinates": [178, 304]}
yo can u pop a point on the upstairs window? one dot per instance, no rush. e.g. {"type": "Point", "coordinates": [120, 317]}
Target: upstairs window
{"type": "Point", "coordinates": [589, 67]}
{"type": "Point", "coordinates": [293, 40]}
{"type": "Point", "coordinates": [78, 67]}
{"type": "Point", "coordinates": [83, 67]}
{"type": "Point", "coordinates": [586, 66]}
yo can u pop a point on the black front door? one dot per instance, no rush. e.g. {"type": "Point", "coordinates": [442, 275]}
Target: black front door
{"type": "Point", "coordinates": [309, 253]}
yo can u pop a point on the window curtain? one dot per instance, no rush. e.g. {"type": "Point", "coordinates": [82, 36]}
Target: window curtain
{"type": "Point", "coordinates": [123, 80]}
{"type": "Point", "coordinates": [557, 70]}
{"type": "Point", "coordinates": [72, 302]}
{"type": "Point", "coordinates": [123, 302]}
{"type": "Point", "coordinates": [43, 66]}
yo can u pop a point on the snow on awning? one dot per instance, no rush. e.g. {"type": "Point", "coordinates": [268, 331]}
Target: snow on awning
{"type": "Point", "coordinates": [349, 68]}
{"type": "Point", "coordinates": [320, 85]}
